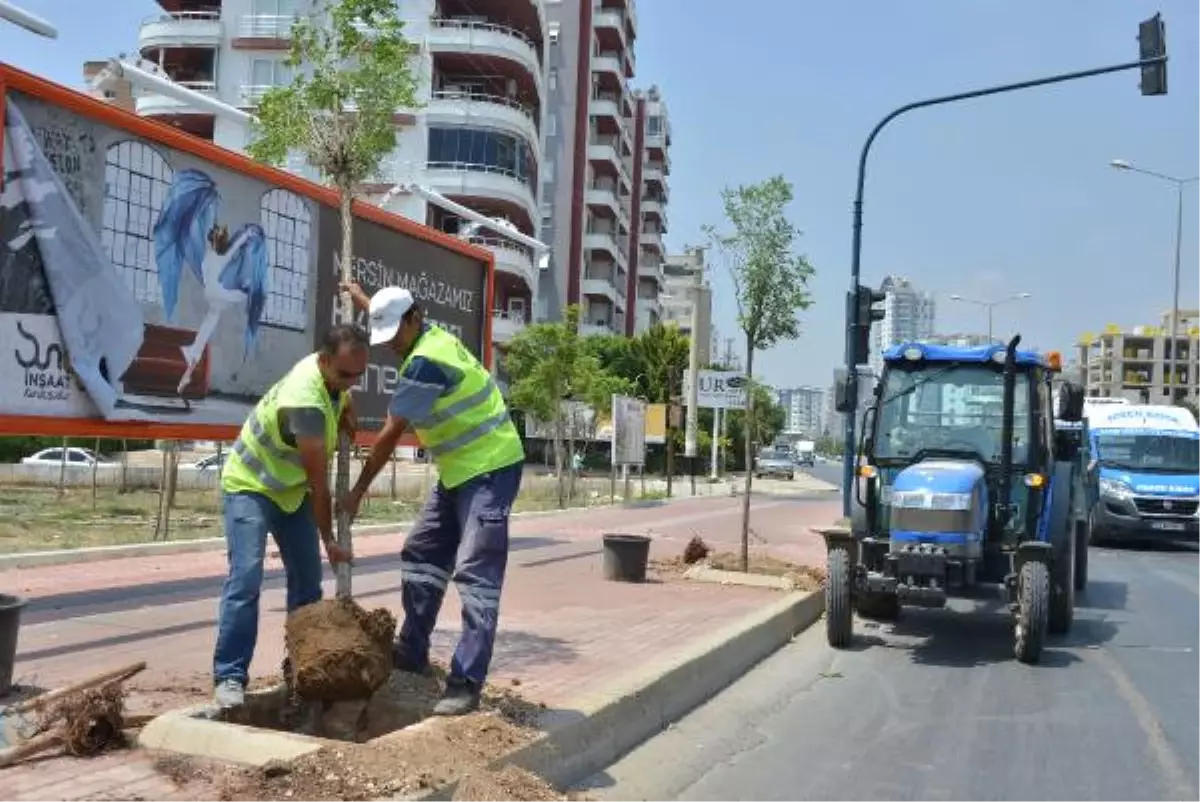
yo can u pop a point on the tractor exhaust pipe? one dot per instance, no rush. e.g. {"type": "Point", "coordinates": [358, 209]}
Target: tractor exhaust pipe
{"type": "Point", "coordinates": [1003, 504]}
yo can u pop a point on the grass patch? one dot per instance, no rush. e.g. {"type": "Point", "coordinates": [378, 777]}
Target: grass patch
{"type": "Point", "coordinates": [40, 519]}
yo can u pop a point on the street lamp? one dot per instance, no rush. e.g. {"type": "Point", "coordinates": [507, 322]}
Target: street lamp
{"type": "Point", "coordinates": [990, 305]}
{"type": "Point", "coordinates": [1180, 183]}
{"type": "Point", "coordinates": [30, 22]}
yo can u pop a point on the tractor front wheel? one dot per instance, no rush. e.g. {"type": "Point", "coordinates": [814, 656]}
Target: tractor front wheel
{"type": "Point", "coordinates": [1062, 593]}
{"type": "Point", "coordinates": [1033, 611]}
{"type": "Point", "coordinates": [839, 612]}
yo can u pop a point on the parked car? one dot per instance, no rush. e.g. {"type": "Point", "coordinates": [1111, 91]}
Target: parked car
{"type": "Point", "coordinates": [774, 462]}
{"type": "Point", "coordinates": [76, 457]}
{"type": "Point", "coordinates": [210, 464]}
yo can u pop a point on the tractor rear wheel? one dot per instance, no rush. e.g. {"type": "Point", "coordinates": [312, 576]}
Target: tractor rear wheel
{"type": "Point", "coordinates": [1033, 611]}
{"type": "Point", "coordinates": [839, 612]}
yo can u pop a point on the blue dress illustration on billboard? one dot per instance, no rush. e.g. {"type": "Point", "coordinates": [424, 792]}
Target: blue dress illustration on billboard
{"type": "Point", "coordinates": [232, 268]}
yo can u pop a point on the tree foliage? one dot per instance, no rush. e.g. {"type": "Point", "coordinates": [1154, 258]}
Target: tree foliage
{"type": "Point", "coordinates": [352, 71]}
{"type": "Point", "coordinates": [770, 283]}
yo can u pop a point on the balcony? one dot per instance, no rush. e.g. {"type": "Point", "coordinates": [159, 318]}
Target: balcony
{"type": "Point", "coordinates": [181, 29]}
{"type": "Point", "coordinates": [607, 151]}
{"type": "Point", "coordinates": [596, 329]}
{"type": "Point", "coordinates": [609, 67]}
{"type": "Point", "coordinates": [653, 271]}
{"type": "Point", "coordinates": [606, 198]}
{"type": "Point", "coordinates": [457, 107]}
{"type": "Point", "coordinates": [506, 325]}
{"type": "Point", "coordinates": [276, 27]}
{"type": "Point", "coordinates": [599, 286]}
{"type": "Point", "coordinates": [608, 242]}
{"type": "Point", "coordinates": [498, 184]}
{"type": "Point", "coordinates": [655, 208]}
{"type": "Point", "coordinates": [653, 171]}
{"type": "Point", "coordinates": [512, 258]}
{"type": "Point", "coordinates": [450, 35]}
{"type": "Point", "coordinates": [150, 104]}
{"type": "Point", "coordinates": [653, 240]}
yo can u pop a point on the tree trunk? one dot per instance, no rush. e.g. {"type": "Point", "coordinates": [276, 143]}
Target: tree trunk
{"type": "Point", "coordinates": [62, 469]}
{"type": "Point", "coordinates": [341, 484]}
{"type": "Point", "coordinates": [95, 468]}
{"type": "Point", "coordinates": [749, 438]}
{"type": "Point", "coordinates": [558, 458]}
{"type": "Point", "coordinates": [124, 467]}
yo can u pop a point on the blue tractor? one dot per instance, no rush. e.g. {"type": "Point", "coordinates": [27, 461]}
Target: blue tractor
{"type": "Point", "coordinates": [962, 483]}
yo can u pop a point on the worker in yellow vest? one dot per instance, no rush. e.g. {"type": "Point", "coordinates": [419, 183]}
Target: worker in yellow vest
{"type": "Point", "coordinates": [455, 408]}
{"type": "Point", "coordinates": [276, 480]}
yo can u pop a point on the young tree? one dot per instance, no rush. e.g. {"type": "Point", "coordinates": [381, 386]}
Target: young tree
{"type": "Point", "coordinates": [770, 285]}
{"type": "Point", "coordinates": [549, 365]}
{"type": "Point", "coordinates": [352, 72]}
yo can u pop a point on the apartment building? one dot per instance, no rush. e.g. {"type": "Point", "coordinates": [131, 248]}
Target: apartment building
{"type": "Point", "coordinates": [476, 139]}
{"type": "Point", "coordinates": [684, 287]}
{"type": "Point", "coordinates": [604, 173]}
{"type": "Point", "coordinates": [805, 410]}
{"type": "Point", "coordinates": [908, 316]}
{"type": "Point", "coordinates": [1136, 363]}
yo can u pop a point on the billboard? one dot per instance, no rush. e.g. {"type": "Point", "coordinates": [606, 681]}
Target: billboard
{"type": "Point", "coordinates": [451, 288]}
{"type": "Point", "coordinates": [628, 431]}
{"type": "Point", "coordinates": [719, 389]}
{"type": "Point", "coordinates": [585, 423]}
{"type": "Point", "coordinates": [154, 285]}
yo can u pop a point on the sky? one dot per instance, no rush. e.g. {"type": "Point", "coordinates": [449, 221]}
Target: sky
{"type": "Point", "coordinates": [984, 198]}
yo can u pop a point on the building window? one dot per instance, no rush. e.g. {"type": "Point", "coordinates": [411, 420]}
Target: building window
{"type": "Point", "coordinates": [482, 149]}
{"type": "Point", "coordinates": [136, 181]}
{"type": "Point", "coordinates": [654, 125]}
{"type": "Point", "coordinates": [552, 79]}
{"type": "Point", "coordinates": [287, 223]}
{"type": "Point", "coordinates": [269, 72]}
{"type": "Point", "coordinates": [553, 30]}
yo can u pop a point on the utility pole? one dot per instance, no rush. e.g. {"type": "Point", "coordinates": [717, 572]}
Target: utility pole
{"type": "Point", "coordinates": [693, 413]}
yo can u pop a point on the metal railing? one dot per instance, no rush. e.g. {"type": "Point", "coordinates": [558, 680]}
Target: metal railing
{"type": "Point", "coordinates": [451, 23]}
{"type": "Point", "coordinates": [208, 15]}
{"type": "Point", "coordinates": [497, 243]}
{"type": "Point", "coordinates": [484, 97]}
{"type": "Point", "coordinates": [475, 167]}
{"type": "Point", "coordinates": [266, 26]}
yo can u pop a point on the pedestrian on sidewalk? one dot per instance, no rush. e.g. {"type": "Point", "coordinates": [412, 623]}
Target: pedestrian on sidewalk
{"type": "Point", "coordinates": [277, 480]}
{"type": "Point", "coordinates": [455, 408]}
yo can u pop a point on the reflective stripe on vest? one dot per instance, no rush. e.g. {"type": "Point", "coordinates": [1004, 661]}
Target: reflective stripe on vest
{"type": "Point", "coordinates": [256, 465]}
{"type": "Point", "coordinates": [469, 431]}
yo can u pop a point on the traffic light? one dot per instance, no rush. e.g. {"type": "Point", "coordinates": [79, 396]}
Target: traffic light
{"type": "Point", "coordinates": [1152, 44]}
{"type": "Point", "coordinates": [861, 313]}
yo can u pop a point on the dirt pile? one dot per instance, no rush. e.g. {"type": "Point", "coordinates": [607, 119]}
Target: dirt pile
{"type": "Point", "coordinates": [510, 784]}
{"type": "Point", "coordinates": [339, 651]}
{"type": "Point", "coordinates": [802, 577]}
{"type": "Point", "coordinates": [695, 551]}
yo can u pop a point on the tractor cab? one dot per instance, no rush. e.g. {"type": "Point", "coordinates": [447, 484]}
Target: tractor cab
{"type": "Point", "coordinates": [957, 472]}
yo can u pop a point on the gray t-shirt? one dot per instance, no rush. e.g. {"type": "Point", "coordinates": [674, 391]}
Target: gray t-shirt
{"type": "Point", "coordinates": [296, 422]}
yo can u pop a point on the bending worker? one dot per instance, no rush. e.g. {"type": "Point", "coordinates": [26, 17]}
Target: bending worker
{"type": "Point", "coordinates": [454, 407]}
{"type": "Point", "coordinates": [277, 480]}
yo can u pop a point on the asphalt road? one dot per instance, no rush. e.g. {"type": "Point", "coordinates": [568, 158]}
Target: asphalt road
{"type": "Point", "coordinates": [934, 707]}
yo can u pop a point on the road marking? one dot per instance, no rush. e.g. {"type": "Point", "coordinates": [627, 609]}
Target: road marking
{"type": "Point", "coordinates": [1164, 754]}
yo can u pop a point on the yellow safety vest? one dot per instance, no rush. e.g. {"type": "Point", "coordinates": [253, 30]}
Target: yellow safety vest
{"type": "Point", "coordinates": [468, 432]}
{"type": "Point", "coordinates": [261, 461]}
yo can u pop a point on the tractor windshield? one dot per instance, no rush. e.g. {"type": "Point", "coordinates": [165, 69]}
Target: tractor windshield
{"type": "Point", "coordinates": [949, 407]}
{"type": "Point", "coordinates": [1152, 452]}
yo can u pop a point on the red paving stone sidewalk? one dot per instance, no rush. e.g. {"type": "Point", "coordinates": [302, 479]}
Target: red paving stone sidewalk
{"type": "Point", "coordinates": [564, 631]}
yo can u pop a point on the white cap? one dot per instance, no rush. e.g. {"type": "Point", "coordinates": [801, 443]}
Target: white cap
{"type": "Point", "coordinates": [388, 308]}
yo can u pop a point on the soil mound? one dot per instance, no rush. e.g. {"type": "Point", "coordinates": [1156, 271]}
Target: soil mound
{"type": "Point", "coordinates": [339, 651]}
{"type": "Point", "coordinates": [509, 783]}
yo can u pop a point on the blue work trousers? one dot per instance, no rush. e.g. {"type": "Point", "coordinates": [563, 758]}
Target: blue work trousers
{"type": "Point", "coordinates": [248, 519]}
{"type": "Point", "coordinates": [462, 534]}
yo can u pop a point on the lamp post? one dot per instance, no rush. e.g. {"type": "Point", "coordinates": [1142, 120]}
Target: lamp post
{"type": "Point", "coordinates": [1180, 183]}
{"type": "Point", "coordinates": [990, 305]}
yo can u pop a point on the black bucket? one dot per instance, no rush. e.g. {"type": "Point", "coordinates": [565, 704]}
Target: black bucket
{"type": "Point", "coordinates": [626, 557]}
{"type": "Point", "coordinates": [10, 623]}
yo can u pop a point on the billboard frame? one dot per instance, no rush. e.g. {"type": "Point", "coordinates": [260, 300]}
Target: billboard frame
{"type": "Point", "coordinates": [14, 79]}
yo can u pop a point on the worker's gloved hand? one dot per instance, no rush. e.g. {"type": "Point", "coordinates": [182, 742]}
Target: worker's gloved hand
{"type": "Point", "coordinates": [337, 554]}
{"type": "Point", "coordinates": [349, 504]}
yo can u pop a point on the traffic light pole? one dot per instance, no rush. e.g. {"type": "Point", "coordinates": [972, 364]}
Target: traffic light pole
{"type": "Point", "coordinates": [850, 457]}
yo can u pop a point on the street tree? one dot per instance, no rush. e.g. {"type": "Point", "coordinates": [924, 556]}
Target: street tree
{"type": "Point", "coordinates": [549, 366]}
{"type": "Point", "coordinates": [352, 71]}
{"type": "Point", "coordinates": [770, 285]}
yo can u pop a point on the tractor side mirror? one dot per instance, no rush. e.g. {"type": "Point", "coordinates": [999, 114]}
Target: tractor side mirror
{"type": "Point", "coordinates": [1070, 403]}
{"type": "Point", "coordinates": [841, 396]}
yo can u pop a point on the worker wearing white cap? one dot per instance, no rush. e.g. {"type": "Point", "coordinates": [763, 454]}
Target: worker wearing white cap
{"type": "Point", "coordinates": [455, 408]}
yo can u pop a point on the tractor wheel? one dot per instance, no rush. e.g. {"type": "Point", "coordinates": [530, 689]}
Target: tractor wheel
{"type": "Point", "coordinates": [1062, 593]}
{"type": "Point", "coordinates": [839, 620]}
{"type": "Point", "coordinates": [1095, 536]}
{"type": "Point", "coordinates": [1033, 611]}
{"type": "Point", "coordinates": [878, 607]}
{"type": "Point", "coordinates": [1081, 557]}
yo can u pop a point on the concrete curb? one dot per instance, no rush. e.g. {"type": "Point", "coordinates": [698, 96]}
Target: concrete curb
{"type": "Point", "coordinates": [39, 559]}
{"type": "Point", "coordinates": [181, 732]}
{"type": "Point", "coordinates": [703, 573]}
{"type": "Point", "coordinates": [605, 727]}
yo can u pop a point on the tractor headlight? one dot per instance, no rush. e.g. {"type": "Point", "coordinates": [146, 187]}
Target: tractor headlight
{"type": "Point", "coordinates": [1115, 489]}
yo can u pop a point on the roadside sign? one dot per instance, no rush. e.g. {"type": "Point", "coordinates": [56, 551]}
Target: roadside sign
{"type": "Point", "coordinates": [719, 389]}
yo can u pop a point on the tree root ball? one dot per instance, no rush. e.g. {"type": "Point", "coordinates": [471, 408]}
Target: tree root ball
{"type": "Point", "coordinates": [339, 651]}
